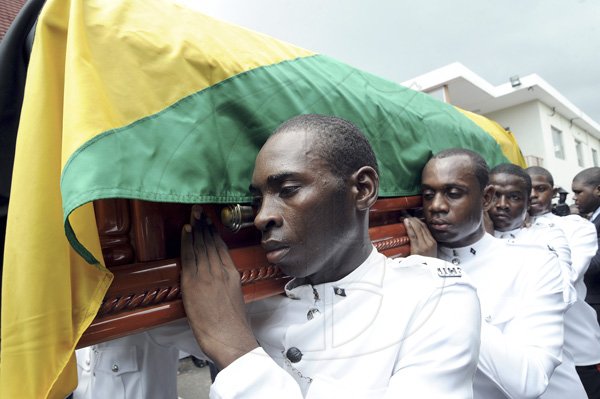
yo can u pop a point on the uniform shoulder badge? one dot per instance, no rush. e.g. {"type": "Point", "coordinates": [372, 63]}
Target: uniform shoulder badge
{"type": "Point", "coordinates": [449, 271]}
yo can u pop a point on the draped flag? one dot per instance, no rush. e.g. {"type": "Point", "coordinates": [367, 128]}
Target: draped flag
{"type": "Point", "coordinates": [151, 100]}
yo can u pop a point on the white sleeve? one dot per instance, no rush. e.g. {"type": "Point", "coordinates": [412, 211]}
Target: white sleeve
{"type": "Point", "coordinates": [559, 244]}
{"type": "Point", "coordinates": [178, 335]}
{"type": "Point", "coordinates": [583, 240]}
{"type": "Point", "coordinates": [522, 356]}
{"type": "Point", "coordinates": [254, 375]}
{"type": "Point", "coordinates": [439, 358]}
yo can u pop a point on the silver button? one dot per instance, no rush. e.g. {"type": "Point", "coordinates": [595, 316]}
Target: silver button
{"type": "Point", "coordinates": [455, 261]}
{"type": "Point", "coordinates": [115, 368]}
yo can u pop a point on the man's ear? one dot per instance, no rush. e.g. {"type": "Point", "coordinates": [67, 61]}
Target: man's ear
{"type": "Point", "coordinates": [597, 191]}
{"type": "Point", "coordinates": [554, 192]}
{"type": "Point", "coordinates": [366, 187]}
{"type": "Point", "coordinates": [488, 197]}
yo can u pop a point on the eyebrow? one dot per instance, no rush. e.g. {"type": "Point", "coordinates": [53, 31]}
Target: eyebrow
{"type": "Point", "coordinates": [273, 180]}
{"type": "Point", "coordinates": [446, 186]}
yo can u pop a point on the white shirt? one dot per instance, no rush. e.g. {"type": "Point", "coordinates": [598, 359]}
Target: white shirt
{"type": "Point", "coordinates": [582, 332]}
{"type": "Point", "coordinates": [390, 329]}
{"type": "Point", "coordinates": [520, 289]}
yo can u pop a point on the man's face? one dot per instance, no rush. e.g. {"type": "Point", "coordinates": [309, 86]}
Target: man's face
{"type": "Point", "coordinates": [452, 201]}
{"type": "Point", "coordinates": [510, 201]}
{"type": "Point", "coordinates": [587, 197]}
{"type": "Point", "coordinates": [542, 193]}
{"type": "Point", "coordinates": [305, 213]}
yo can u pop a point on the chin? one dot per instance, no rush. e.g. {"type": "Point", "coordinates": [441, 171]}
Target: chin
{"type": "Point", "coordinates": [443, 237]}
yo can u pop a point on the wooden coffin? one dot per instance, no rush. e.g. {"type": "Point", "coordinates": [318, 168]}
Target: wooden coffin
{"type": "Point", "coordinates": [140, 242]}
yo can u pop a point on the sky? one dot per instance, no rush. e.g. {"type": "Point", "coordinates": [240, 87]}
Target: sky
{"type": "Point", "coordinates": [399, 39]}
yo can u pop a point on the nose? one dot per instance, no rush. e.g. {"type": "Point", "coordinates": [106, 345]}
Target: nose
{"type": "Point", "coordinates": [268, 215]}
{"type": "Point", "coordinates": [533, 194]}
{"type": "Point", "coordinates": [438, 204]}
{"type": "Point", "coordinates": [501, 202]}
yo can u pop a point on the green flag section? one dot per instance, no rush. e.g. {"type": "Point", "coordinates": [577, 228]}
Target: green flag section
{"type": "Point", "coordinates": [151, 100]}
{"type": "Point", "coordinates": [202, 148]}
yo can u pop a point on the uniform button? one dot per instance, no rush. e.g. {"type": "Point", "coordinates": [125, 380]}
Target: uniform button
{"type": "Point", "coordinates": [455, 261]}
{"type": "Point", "coordinates": [293, 354]}
{"type": "Point", "coordinates": [87, 362]}
{"type": "Point", "coordinates": [115, 368]}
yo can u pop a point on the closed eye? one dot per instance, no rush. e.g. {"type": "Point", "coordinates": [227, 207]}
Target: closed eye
{"type": "Point", "coordinates": [454, 194]}
{"type": "Point", "coordinates": [288, 191]}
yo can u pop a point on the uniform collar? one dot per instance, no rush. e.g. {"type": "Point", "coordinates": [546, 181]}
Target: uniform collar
{"type": "Point", "coordinates": [369, 271]}
{"type": "Point", "coordinates": [547, 219]}
{"type": "Point", "coordinates": [512, 234]}
{"type": "Point", "coordinates": [547, 215]}
{"type": "Point", "coordinates": [457, 256]}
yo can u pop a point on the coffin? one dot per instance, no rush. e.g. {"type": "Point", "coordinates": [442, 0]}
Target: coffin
{"type": "Point", "coordinates": [140, 243]}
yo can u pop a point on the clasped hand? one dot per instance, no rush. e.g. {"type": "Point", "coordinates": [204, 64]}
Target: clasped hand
{"type": "Point", "coordinates": [212, 294]}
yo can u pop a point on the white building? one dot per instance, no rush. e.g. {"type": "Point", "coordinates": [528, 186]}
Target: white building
{"type": "Point", "coordinates": [551, 131]}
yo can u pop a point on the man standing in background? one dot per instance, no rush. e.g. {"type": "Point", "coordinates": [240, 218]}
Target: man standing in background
{"type": "Point", "coordinates": [586, 193]}
{"type": "Point", "coordinates": [582, 332]}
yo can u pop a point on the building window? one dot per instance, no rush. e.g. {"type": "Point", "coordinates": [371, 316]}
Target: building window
{"type": "Point", "coordinates": [579, 151]}
{"type": "Point", "coordinates": [595, 157]}
{"type": "Point", "coordinates": [559, 148]}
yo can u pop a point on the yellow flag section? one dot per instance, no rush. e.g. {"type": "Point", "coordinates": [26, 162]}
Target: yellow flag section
{"type": "Point", "coordinates": [504, 138]}
{"type": "Point", "coordinates": [94, 67]}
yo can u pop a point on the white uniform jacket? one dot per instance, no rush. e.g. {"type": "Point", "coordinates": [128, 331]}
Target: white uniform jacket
{"type": "Point", "coordinates": [138, 366]}
{"type": "Point", "coordinates": [404, 328]}
{"type": "Point", "coordinates": [553, 238]}
{"type": "Point", "coordinates": [564, 380]}
{"type": "Point", "coordinates": [582, 332]}
{"type": "Point", "coordinates": [520, 290]}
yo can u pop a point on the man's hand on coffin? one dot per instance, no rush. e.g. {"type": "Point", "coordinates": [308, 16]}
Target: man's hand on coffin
{"type": "Point", "coordinates": [212, 294]}
{"type": "Point", "coordinates": [421, 240]}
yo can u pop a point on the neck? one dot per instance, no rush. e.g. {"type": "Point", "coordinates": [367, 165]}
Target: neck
{"type": "Point", "coordinates": [467, 240]}
{"type": "Point", "coordinates": [545, 211]}
{"type": "Point", "coordinates": [345, 257]}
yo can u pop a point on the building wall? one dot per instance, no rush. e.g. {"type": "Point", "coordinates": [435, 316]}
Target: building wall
{"type": "Point", "coordinates": [524, 121]}
{"type": "Point", "coordinates": [532, 123]}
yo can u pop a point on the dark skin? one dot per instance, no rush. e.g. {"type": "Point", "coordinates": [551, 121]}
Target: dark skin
{"type": "Point", "coordinates": [509, 210]}
{"type": "Point", "coordinates": [453, 204]}
{"type": "Point", "coordinates": [542, 193]}
{"type": "Point", "coordinates": [314, 226]}
{"type": "Point", "coordinates": [586, 196]}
